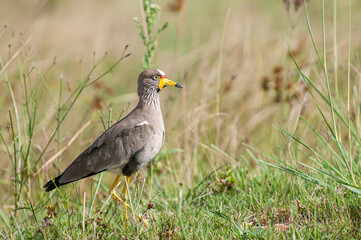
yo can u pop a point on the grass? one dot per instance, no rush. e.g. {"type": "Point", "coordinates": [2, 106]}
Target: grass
{"type": "Point", "coordinates": [262, 143]}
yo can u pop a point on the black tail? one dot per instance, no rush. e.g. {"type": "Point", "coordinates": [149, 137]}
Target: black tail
{"type": "Point", "coordinates": [52, 184]}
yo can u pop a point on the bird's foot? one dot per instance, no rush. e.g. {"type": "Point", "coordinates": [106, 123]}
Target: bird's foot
{"type": "Point", "coordinates": [145, 222]}
{"type": "Point", "coordinates": [126, 206]}
{"type": "Point", "coordinates": [118, 199]}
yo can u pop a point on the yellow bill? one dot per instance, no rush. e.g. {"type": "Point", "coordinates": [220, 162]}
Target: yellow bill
{"type": "Point", "coordinates": [164, 81]}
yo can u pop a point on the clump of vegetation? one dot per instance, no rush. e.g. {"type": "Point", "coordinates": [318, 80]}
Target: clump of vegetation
{"type": "Point", "coordinates": [337, 164]}
{"type": "Point", "coordinates": [148, 31]}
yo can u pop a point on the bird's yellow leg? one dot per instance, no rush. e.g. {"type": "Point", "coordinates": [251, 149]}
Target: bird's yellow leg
{"type": "Point", "coordinates": [125, 189]}
{"type": "Point", "coordinates": [114, 195]}
{"type": "Point", "coordinates": [124, 198]}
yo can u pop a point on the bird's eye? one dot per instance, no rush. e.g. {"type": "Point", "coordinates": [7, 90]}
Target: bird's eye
{"type": "Point", "coordinates": [156, 77]}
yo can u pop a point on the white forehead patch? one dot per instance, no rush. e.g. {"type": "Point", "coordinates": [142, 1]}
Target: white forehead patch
{"type": "Point", "coordinates": [142, 123]}
{"type": "Point", "coordinates": [161, 72]}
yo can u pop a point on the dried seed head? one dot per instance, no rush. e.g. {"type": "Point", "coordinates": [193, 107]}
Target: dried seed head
{"type": "Point", "coordinates": [150, 205]}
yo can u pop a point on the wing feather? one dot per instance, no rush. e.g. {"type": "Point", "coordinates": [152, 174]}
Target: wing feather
{"type": "Point", "coordinates": [112, 149]}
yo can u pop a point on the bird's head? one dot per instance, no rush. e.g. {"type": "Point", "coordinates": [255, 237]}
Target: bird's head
{"type": "Point", "coordinates": [154, 80]}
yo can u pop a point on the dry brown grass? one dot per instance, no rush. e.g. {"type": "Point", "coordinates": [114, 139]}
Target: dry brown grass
{"type": "Point", "coordinates": [254, 45]}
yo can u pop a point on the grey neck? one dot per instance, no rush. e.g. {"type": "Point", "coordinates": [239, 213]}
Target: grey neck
{"type": "Point", "coordinates": [150, 99]}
